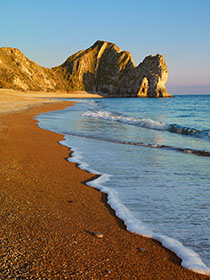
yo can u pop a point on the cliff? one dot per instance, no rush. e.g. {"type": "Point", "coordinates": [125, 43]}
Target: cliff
{"type": "Point", "coordinates": [102, 68]}
{"type": "Point", "coordinates": [19, 72]}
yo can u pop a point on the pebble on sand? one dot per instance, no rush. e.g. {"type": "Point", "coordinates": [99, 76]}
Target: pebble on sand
{"type": "Point", "coordinates": [98, 234]}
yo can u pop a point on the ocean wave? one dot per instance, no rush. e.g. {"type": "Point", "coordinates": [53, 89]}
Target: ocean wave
{"type": "Point", "coordinates": [190, 259]}
{"type": "Point", "coordinates": [141, 144]}
{"type": "Point", "coordinates": [147, 123]}
{"type": "Point", "coordinates": [175, 128]}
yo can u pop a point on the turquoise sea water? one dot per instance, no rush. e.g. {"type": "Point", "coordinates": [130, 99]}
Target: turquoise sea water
{"type": "Point", "coordinates": [154, 157]}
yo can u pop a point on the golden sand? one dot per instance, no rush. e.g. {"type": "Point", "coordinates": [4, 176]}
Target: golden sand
{"type": "Point", "coordinates": [49, 217]}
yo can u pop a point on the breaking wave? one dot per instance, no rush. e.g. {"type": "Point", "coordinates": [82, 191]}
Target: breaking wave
{"type": "Point", "coordinates": [148, 123]}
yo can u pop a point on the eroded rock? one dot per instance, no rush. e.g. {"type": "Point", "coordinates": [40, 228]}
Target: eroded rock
{"type": "Point", "coordinates": [103, 68]}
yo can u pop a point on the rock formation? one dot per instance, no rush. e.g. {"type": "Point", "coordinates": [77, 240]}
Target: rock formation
{"type": "Point", "coordinates": [103, 68]}
{"type": "Point", "coordinates": [19, 72]}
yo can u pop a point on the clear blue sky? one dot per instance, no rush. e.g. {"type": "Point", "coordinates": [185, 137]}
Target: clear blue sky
{"type": "Point", "coordinates": [48, 31]}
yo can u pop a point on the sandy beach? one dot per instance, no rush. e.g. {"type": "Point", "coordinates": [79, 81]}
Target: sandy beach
{"type": "Point", "coordinates": [16, 101]}
{"type": "Point", "coordinates": [49, 216]}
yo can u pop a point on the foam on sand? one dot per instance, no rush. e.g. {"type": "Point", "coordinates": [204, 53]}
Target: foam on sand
{"type": "Point", "coordinates": [190, 259]}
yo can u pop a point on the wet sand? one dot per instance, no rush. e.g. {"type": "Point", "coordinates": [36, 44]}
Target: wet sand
{"type": "Point", "coordinates": [48, 215]}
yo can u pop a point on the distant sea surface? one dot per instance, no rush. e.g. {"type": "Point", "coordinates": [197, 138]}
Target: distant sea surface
{"type": "Point", "coordinates": [154, 159]}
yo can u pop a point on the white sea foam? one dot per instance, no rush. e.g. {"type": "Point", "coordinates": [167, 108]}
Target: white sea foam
{"type": "Point", "coordinates": [190, 259]}
{"type": "Point", "coordinates": [85, 101]}
{"type": "Point", "coordinates": [146, 123]}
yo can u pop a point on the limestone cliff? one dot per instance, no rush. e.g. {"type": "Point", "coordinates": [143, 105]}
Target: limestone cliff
{"type": "Point", "coordinates": [19, 72]}
{"type": "Point", "coordinates": [102, 68]}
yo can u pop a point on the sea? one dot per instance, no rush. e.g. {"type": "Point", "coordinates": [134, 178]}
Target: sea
{"type": "Point", "coordinates": [153, 156]}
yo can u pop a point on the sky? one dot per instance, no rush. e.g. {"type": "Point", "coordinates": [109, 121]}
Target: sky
{"type": "Point", "coordinates": [49, 31]}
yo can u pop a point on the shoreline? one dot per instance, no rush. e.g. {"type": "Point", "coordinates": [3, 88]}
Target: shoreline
{"type": "Point", "coordinates": [50, 227]}
{"type": "Point", "coordinates": [16, 101]}
{"type": "Point", "coordinates": [189, 259]}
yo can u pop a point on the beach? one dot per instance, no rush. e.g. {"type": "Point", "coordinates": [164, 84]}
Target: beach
{"type": "Point", "coordinates": [49, 216]}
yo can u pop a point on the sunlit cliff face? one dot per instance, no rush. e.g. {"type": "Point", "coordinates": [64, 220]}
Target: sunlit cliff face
{"type": "Point", "coordinates": [102, 68]}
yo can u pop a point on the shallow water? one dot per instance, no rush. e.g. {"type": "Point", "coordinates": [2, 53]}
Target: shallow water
{"type": "Point", "coordinates": [154, 155]}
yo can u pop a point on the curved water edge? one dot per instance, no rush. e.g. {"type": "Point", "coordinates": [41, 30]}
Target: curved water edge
{"type": "Point", "coordinates": [190, 259]}
{"type": "Point", "coordinates": [172, 177]}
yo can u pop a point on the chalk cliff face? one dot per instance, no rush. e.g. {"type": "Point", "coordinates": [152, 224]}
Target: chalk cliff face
{"type": "Point", "coordinates": [19, 72]}
{"type": "Point", "coordinates": [102, 68]}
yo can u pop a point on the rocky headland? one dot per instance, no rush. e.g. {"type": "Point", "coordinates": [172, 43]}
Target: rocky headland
{"type": "Point", "coordinates": [103, 68]}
